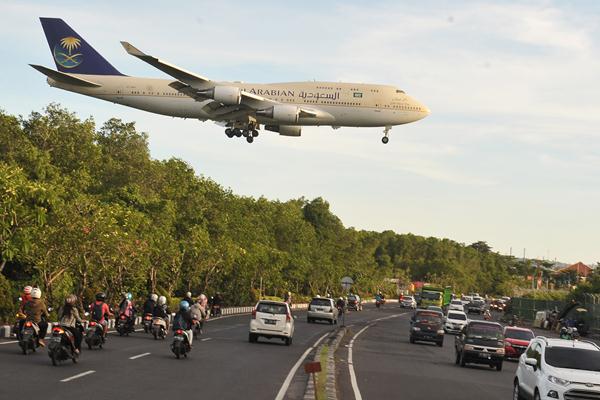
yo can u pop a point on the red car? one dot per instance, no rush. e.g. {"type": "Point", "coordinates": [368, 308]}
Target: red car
{"type": "Point", "coordinates": [516, 341]}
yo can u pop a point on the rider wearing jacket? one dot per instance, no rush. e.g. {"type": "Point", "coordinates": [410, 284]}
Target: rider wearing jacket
{"type": "Point", "coordinates": [183, 320]}
{"type": "Point", "coordinates": [150, 304]}
{"type": "Point", "coordinates": [100, 312]}
{"type": "Point", "coordinates": [69, 319]}
{"type": "Point", "coordinates": [36, 311]}
{"type": "Point", "coordinates": [162, 310]}
{"type": "Point", "coordinates": [127, 309]}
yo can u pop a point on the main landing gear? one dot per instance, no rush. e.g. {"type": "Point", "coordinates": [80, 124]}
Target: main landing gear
{"type": "Point", "coordinates": [249, 132]}
{"type": "Point", "coordinates": [386, 132]}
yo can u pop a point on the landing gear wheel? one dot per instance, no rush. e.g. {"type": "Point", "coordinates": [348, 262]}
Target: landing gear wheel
{"type": "Point", "coordinates": [249, 139]}
{"type": "Point", "coordinates": [237, 132]}
{"type": "Point", "coordinates": [385, 139]}
{"type": "Point", "coordinates": [245, 133]}
{"type": "Point", "coordinates": [254, 133]}
{"type": "Point", "coordinates": [229, 132]}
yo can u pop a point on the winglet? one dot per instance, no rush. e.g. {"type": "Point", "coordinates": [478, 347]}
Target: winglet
{"type": "Point", "coordinates": [131, 49]}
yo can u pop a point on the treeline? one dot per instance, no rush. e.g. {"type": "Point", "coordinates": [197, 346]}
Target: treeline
{"type": "Point", "coordinates": [85, 210]}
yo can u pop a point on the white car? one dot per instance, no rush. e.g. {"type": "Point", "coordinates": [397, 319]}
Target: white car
{"type": "Point", "coordinates": [408, 302]}
{"type": "Point", "coordinates": [455, 321]}
{"type": "Point", "coordinates": [271, 319]}
{"type": "Point", "coordinates": [457, 305]}
{"type": "Point", "coordinates": [323, 309]}
{"type": "Point", "coordinates": [558, 369]}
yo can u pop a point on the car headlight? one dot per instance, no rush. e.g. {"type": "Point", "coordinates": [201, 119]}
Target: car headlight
{"type": "Point", "coordinates": [500, 350]}
{"type": "Point", "coordinates": [507, 344]}
{"type": "Point", "coordinates": [468, 347]}
{"type": "Point", "coordinates": [416, 328]}
{"type": "Point", "coordinates": [558, 381]}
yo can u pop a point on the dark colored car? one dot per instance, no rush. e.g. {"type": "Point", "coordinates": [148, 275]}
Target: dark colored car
{"type": "Point", "coordinates": [480, 342]}
{"type": "Point", "coordinates": [427, 326]}
{"type": "Point", "coordinates": [516, 341]}
{"type": "Point", "coordinates": [476, 306]}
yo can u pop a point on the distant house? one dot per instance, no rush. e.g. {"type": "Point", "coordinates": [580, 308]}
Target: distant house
{"type": "Point", "coordinates": [580, 269]}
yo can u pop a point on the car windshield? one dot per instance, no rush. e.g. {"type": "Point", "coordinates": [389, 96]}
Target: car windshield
{"type": "Point", "coordinates": [461, 317]}
{"type": "Point", "coordinates": [457, 302]}
{"type": "Point", "coordinates": [271, 308]}
{"type": "Point", "coordinates": [568, 357]}
{"type": "Point", "coordinates": [484, 331]}
{"type": "Point", "coordinates": [518, 334]}
{"type": "Point", "coordinates": [428, 319]}
{"type": "Point", "coordinates": [407, 298]}
{"type": "Point", "coordinates": [320, 302]}
{"type": "Point", "coordinates": [430, 295]}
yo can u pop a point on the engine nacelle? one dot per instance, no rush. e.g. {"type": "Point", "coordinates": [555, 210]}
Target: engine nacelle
{"type": "Point", "coordinates": [229, 95]}
{"type": "Point", "coordinates": [285, 130]}
{"type": "Point", "coordinates": [282, 113]}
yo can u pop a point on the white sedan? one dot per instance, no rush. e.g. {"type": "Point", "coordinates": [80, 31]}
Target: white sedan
{"type": "Point", "coordinates": [271, 319]}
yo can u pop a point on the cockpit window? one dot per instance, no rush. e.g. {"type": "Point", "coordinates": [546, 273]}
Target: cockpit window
{"type": "Point", "coordinates": [399, 91]}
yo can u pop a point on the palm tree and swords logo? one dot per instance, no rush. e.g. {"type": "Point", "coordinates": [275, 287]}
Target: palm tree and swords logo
{"type": "Point", "coordinates": [64, 52]}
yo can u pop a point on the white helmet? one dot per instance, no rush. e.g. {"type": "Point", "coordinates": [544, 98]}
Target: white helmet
{"type": "Point", "coordinates": [36, 293]}
{"type": "Point", "coordinates": [188, 294]}
{"type": "Point", "coordinates": [202, 297]}
{"type": "Point", "coordinates": [162, 300]}
{"type": "Point", "coordinates": [153, 297]}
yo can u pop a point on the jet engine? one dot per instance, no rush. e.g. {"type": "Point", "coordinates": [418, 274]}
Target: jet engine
{"type": "Point", "coordinates": [228, 95]}
{"type": "Point", "coordinates": [285, 130]}
{"type": "Point", "coordinates": [282, 113]}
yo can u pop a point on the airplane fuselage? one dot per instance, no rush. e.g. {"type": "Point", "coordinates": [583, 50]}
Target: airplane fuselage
{"type": "Point", "coordinates": [347, 104]}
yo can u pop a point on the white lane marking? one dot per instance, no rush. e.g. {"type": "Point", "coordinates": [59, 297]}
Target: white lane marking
{"type": "Point", "coordinates": [355, 389]}
{"type": "Point", "coordinates": [205, 339]}
{"type": "Point", "coordinates": [12, 341]}
{"type": "Point", "coordinates": [78, 376]}
{"type": "Point", "coordinates": [353, 381]}
{"type": "Point", "coordinates": [139, 356]}
{"type": "Point", "coordinates": [290, 376]}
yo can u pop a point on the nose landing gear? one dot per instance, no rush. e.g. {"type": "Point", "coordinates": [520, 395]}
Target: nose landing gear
{"type": "Point", "coordinates": [386, 132]}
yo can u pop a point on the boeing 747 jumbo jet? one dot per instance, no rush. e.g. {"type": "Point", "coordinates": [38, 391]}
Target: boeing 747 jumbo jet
{"type": "Point", "coordinates": [240, 107]}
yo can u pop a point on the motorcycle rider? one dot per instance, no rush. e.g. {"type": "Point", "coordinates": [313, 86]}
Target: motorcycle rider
{"type": "Point", "coordinates": [288, 298]}
{"type": "Point", "coordinates": [216, 304]}
{"type": "Point", "coordinates": [100, 311]}
{"type": "Point", "coordinates": [188, 298]}
{"type": "Point", "coordinates": [162, 310]}
{"type": "Point", "coordinates": [198, 314]}
{"type": "Point", "coordinates": [487, 315]}
{"type": "Point", "coordinates": [127, 309]}
{"type": "Point", "coordinates": [341, 305]}
{"type": "Point", "coordinates": [71, 321]}
{"type": "Point", "coordinates": [25, 297]}
{"type": "Point", "coordinates": [183, 320]}
{"type": "Point", "coordinates": [150, 304]}
{"type": "Point", "coordinates": [36, 311]}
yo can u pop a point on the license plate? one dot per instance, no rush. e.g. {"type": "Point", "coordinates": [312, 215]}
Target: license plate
{"type": "Point", "coordinates": [484, 355]}
{"type": "Point", "coordinates": [55, 339]}
{"type": "Point", "coordinates": [270, 321]}
{"type": "Point", "coordinates": [178, 338]}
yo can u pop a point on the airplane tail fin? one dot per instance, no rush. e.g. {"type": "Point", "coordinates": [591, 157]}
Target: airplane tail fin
{"type": "Point", "coordinates": [71, 53]}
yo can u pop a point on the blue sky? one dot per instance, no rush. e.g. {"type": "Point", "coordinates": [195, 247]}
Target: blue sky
{"type": "Point", "coordinates": [509, 155]}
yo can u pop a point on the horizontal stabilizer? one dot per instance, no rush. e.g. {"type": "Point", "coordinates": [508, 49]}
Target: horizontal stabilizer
{"type": "Point", "coordinates": [64, 78]}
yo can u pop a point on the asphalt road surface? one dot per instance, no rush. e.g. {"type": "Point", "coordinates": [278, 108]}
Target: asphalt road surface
{"type": "Point", "coordinates": [387, 366]}
{"type": "Point", "coordinates": [222, 365]}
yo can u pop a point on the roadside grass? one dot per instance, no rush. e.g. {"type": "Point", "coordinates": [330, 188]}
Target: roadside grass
{"type": "Point", "coordinates": [322, 376]}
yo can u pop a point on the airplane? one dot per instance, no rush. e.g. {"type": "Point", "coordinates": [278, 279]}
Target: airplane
{"type": "Point", "coordinates": [242, 108]}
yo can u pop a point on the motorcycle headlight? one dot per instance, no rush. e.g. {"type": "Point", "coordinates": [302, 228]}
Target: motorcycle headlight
{"type": "Point", "coordinates": [558, 381]}
{"type": "Point", "coordinates": [440, 332]}
{"type": "Point", "coordinates": [416, 328]}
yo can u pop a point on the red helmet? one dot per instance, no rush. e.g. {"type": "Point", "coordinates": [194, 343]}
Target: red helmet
{"type": "Point", "coordinates": [27, 289]}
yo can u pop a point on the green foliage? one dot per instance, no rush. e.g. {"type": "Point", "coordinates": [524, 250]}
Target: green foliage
{"type": "Point", "coordinates": [86, 210]}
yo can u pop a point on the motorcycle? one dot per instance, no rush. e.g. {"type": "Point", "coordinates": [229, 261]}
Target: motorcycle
{"type": "Point", "coordinates": [16, 331]}
{"type": "Point", "coordinates": [147, 322]}
{"type": "Point", "coordinates": [181, 345]}
{"type": "Point", "coordinates": [379, 302]}
{"type": "Point", "coordinates": [215, 310]}
{"type": "Point", "coordinates": [159, 328]}
{"type": "Point", "coordinates": [124, 325]}
{"type": "Point", "coordinates": [62, 346]}
{"type": "Point", "coordinates": [94, 335]}
{"type": "Point", "coordinates": [487, 316]}
{"type": "Point", "coordinates": [29, 337]}
{"type": "Point", "coordinates": [570, 333]}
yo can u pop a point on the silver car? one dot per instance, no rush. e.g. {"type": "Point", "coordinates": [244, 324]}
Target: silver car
{"type": "Point", "coordinates": [322, 308]}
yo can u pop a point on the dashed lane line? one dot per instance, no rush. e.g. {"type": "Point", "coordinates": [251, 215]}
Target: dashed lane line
{"type": "Point", "coordinates": [78, 376]}
{"type": "Point", "coordinates": [139, 356]}
{"type": "Point", "coordinates": [290, 376]}
{"type": "Point", "coordinates": [205, 339]}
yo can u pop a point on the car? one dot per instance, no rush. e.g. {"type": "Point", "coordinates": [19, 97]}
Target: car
{"type": "Point", "coordinates": [455, 321]}
{"type": "Point", "coordinates": [427, 326]}
{"type": "Point", "coordinates": [408, 302]}
{"type": "Point", "coordinates": [516, 341]}
{"type": "Point", "coordinates": [322, 309]}
{"type": "Point", "coordinates": [558, 369]}
{"type": "Point", "coordinates": [435, 308]}
{"type": "Point", "coordinates": [476, 307]}
{"type": "Point", "coordinates": [466, 299]}
{"type": "Point", "coordinates": [417, 297]}
{"type": "Point", "coordinates": [354, 302]}
{"type": "Point", "coordinates": [271, 319]}
{"type": "Point", "coordinates": [457, 305]}
{"type": "Point", "coordinates": [480, 342]}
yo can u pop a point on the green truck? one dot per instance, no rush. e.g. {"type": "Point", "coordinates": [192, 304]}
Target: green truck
{"type": "Point", "coordinates": [435, 296]}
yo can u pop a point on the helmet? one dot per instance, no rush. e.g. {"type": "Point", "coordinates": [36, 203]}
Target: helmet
{"type": "Point", "coordinates": [188, 295]}
{"type": "Point", "coordinates": [153, 297]}
{"type": "Point", "coordinates": [341, 298]}
{"type": "Point", "coordinates": [162, 300]}
{"type": "Point", "coordinates": [127, 296]}
{"type": "Point", "coordinates": [100, 296]}
{"type": "Point", "coordinates": [202, 297]}
{"type": "Point", "coordinates": [27, 289]}
{"type": "Point", "coordinates": [71, 299]}
{"type": "Point", "coordinates": [36, 293]}
{"type": "Point", "coordinates": [184, 305]}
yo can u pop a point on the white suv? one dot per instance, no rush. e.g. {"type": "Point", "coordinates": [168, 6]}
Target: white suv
{"type": "Point", "coordinates": [558, 369]}
{"type": "Point", "coordinates": [271, 319]}
{"type": "Point", "coordinates": [455, 321]}
{"type": "Point", "coordinates": [457, 305]}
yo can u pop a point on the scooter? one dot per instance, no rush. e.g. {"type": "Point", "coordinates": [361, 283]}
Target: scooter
{"type": "Point", "coordinates": [159, 328]}
{"type": "Point", "coordinates": [94, 335]}
{"type": "Point", "coordinates": [147, 322]}
{"type": "Point", "coordinates": [29, 337]}
{"type": "Point", "coordinates": [181, 344]}
{"type": "Point", "coordinates": [62, 346]}
{"type": "Point", "coordinates": [124, 325]}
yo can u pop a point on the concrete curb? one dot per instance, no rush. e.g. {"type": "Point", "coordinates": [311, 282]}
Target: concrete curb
{"type": "Point", "coordinates": [333, 341]}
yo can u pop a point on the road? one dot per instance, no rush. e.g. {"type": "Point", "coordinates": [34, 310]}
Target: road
{"type": "Point", "coordinates": [387, 366]}
{"type": "Point", "coordinates": [223, 365]}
